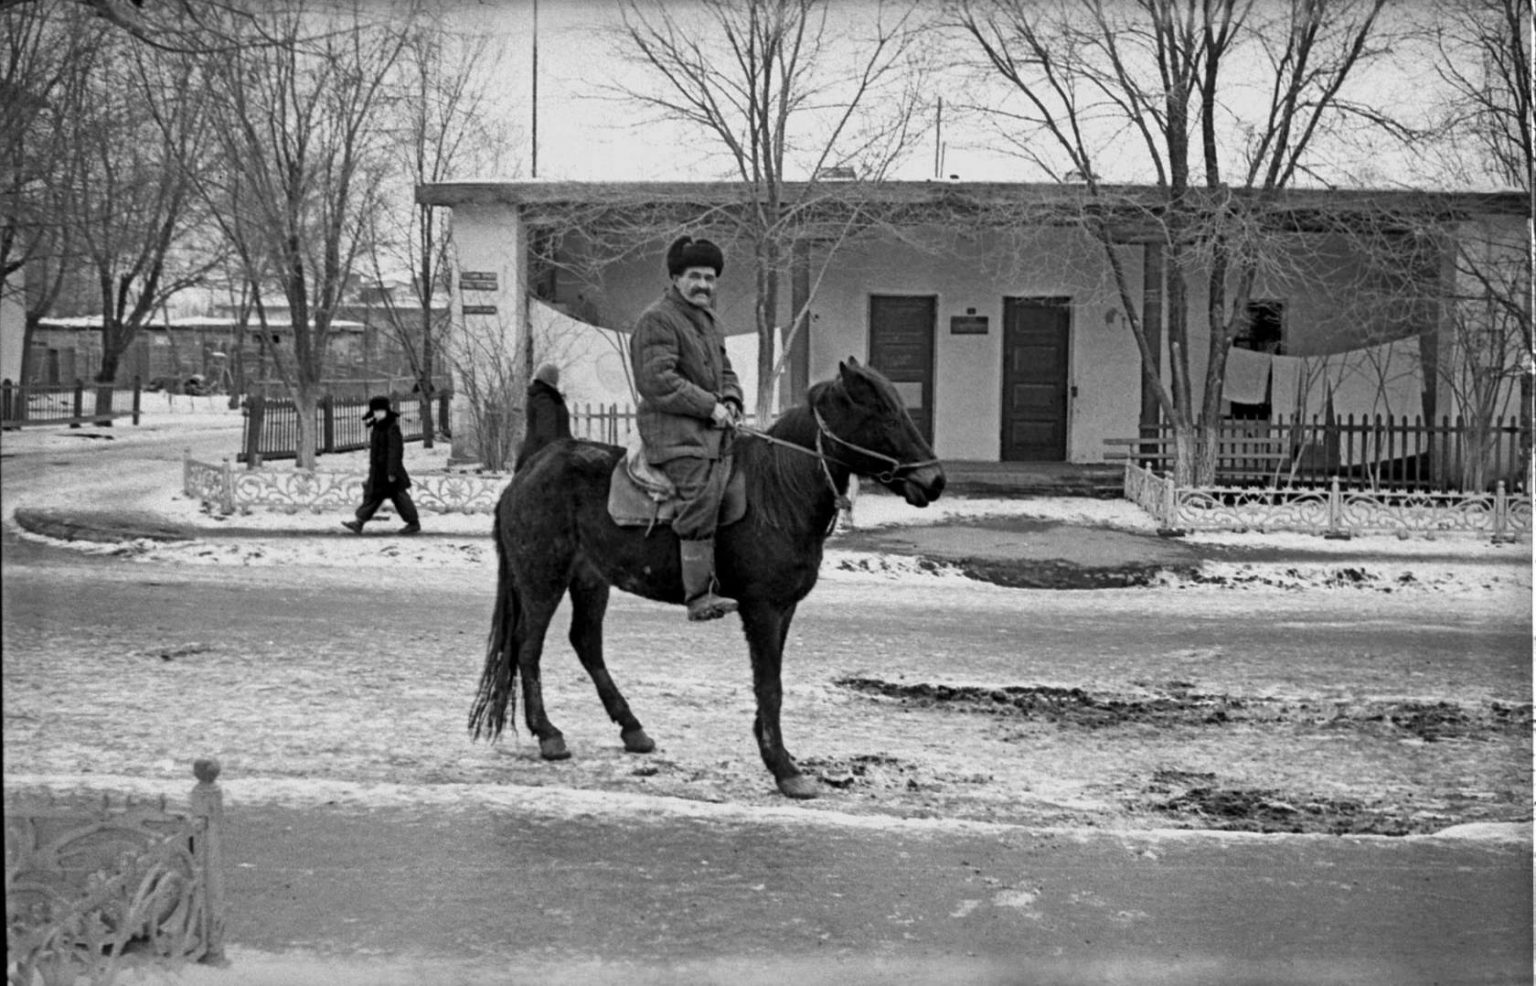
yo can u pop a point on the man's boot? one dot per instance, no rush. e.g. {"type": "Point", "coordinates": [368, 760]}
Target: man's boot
{"type": "Point", "coordinates": [698, 559]}
{"type": "Point", "coordinates": [355, 526]}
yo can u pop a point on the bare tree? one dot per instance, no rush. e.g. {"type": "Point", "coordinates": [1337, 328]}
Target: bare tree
{"type": "Point", "coordinates": [783, 89]}
{"type": "Point", "coordinates": [442, 130]}
{"type": "Point", "coordinates": [1484, 135]}
{"type": "Point", "coordinates": [50, 55]}
{"type": "Point", "coordinates": [125, 193]}
{"type": "Point", "coordinates": [1138, 90]}
{"type": "Point", "coordinates": [172, 26]}
{"type": "Point", "coordinates": [302, 135]}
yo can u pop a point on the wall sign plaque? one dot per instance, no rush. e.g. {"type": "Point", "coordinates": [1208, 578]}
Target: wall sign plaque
{"type": "Point", "coordinates": [968, 325]}
{"type": "Point", "coordinates": [477, 280]}
{"type": "Point", "coordinates": [479, 309]}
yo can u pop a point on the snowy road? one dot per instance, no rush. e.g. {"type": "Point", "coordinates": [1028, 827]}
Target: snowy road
{"type": "Point", "coordinates": [954, 699]}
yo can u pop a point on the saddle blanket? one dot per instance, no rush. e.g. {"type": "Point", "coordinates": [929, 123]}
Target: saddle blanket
{"type": "Point", "coordinates": [640, 495]}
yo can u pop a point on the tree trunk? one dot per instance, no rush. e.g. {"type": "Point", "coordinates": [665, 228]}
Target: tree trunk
{"type": "Point", "coordinates": [304, 402]}
{"type": "Point", "coordinates": [767, 310]}
{"type": "Point", "coordinates": [1525, 427]}
{"type": "Point", "coordinates": [424, 379]}
{"type": "Point", "coordinates": [1183, 454]}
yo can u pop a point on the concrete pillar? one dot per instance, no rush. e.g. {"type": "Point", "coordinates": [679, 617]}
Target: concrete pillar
{"type": "Point", "coordinates": [489, 306]}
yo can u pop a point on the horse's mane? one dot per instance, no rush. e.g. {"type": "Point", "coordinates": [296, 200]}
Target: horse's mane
{"type": "Point", "coordinates": [783, 484]}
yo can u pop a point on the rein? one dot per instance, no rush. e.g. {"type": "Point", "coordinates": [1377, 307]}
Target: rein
{"type": "Point", "coordinates": [895, 469]}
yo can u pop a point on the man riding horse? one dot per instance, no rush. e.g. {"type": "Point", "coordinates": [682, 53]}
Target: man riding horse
{"type": "Point", "coordinates": [690, 402]}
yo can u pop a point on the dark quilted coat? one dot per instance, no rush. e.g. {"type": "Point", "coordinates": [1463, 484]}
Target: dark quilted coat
{"type": "Point", "coordinates": [386, 458]}
{"type": "Point", "coordinates": [681, 370]}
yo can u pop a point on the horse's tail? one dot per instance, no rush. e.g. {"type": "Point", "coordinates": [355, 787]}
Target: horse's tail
{"type": "Point", "coordinates": [498, 682]}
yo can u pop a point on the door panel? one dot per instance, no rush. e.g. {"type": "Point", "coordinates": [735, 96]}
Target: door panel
{"type": "Point", "coordinates": [1036, 343]}
{"type": "Point", "coordinates": [901, 329]}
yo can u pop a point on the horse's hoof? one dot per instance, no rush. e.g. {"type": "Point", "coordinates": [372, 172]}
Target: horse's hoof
{"type": "Point", "coordinates": [635, 741]}
{"type": "Point", "coordinates": [554, 748]}
{"type": "Point", "coordinates": [799, 786]}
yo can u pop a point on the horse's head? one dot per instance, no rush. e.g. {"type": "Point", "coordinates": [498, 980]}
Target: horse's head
{"type": "Point", "coordinates": [871, 433]}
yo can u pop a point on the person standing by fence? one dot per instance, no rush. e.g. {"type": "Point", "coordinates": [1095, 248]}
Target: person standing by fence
{"type": "Point", "coordinates": [387, 478]}
{"type": "Point", "coordinates": [547, 418]}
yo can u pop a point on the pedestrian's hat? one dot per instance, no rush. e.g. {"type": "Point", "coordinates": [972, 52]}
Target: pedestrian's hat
{"type": "Point", "coordinates": [686, 252]}
{"type": "Point", "coordinates": [376, 404]}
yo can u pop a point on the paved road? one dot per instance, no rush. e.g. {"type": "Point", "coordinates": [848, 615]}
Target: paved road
{"type": "Point", "coordinates": [670, 899]}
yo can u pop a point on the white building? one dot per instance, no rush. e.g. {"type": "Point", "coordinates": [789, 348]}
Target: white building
{"type": "Point", "coordinates": [990, 306]}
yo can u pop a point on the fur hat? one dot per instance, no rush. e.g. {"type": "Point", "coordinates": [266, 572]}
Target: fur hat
{"type": "Point", "coordinates": [376, 404]}
{"type": "Point", "coordinates": [548, 374]}
{"type": "Point", "coordinates": [686, 252]}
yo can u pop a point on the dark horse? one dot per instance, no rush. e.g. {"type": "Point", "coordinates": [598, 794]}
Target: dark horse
{"type": "Point", "coordinates": [554, 535]}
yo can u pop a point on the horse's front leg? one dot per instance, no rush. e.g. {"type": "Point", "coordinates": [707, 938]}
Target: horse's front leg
{"type": "Point", "coordinates": [767, 628]}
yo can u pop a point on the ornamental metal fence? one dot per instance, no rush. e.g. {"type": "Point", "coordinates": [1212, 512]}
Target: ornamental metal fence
{"type": "Point", "coordinates": [228, 490]}
{"type": "Point", "coordinates": [1331, 511]}
{"type": "Point", "coordinates": [89, 889]}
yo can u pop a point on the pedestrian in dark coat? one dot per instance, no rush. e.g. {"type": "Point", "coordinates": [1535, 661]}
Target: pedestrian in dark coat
{"type": "Point", "coordinates": [547, 419]}
{"type": "Point", "coordinates": [387, 478]}
{"type": "Point", "coordinates": [690, 402]}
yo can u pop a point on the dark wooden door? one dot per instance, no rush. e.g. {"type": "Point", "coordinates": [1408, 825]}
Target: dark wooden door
{"type": "Point", "coordinates": [901, 331]}
{"type": "Point", "coordinates": [1036, 337]}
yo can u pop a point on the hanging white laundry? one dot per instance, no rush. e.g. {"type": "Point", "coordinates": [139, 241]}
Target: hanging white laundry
{"type": "Point", "coordinates": [1375, 382]}
{"type": "Point", "coordinates": [1402, 385]}
{"type": "Point", "coordinates": [1314, 399]}
{"type": "Point", "coordinates": [1286, 379]}
{"type": "Point", "coordinates": [1247, 376]}
{"type": "Point", "coordinates": [1379, 380]}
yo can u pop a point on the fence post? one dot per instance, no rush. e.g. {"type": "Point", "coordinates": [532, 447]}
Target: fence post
{"type": "Point", "coordinates": [5, 399]}
{"type": "Point", "coordinates": [227, 489]}
{"type": "Point", "coordinates": [1335, 530]}
{"type": "Point", "coordinates": [327, 424]}
{"type": "Point", "coordinates": [1501, 533]}
{"type": "Point", "coordinates": [138, 390]}
{"type": "Point", "coordinates": [79, 402]}
{"type": "Point", "coordinates": [1169, 509]}
{"type": "Point", "coordinates": [207, 803]}
{"type": "Point", "coordinates": [256, 410]}
{"type": "Point", "coordinates": [186, 470]}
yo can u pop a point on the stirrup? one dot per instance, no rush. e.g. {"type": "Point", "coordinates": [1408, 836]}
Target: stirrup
{"type": "Point", "coordinates": [709, 607]}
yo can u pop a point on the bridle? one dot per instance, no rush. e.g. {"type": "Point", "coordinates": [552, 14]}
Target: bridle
{"type": "Point", "coordinates": [892, 472]}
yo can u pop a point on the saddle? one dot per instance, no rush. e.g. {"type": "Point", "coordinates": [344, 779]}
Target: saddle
{"type": "Point", "coordinates": [640, 495]}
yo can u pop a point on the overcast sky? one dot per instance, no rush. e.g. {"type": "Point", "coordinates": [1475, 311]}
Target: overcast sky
{"type": "Point", "coordinates": [583, 136]}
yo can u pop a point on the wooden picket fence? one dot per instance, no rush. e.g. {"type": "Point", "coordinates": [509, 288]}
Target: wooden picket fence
{"type": "Point", "coordinates": [1379, 452]}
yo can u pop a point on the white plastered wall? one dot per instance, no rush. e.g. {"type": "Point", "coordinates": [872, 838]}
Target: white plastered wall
{"type": "Point", "coordinates": [973, 275]}
{"type": "Point", "coordinates": [487, 239]}
{"type": "Point", "coordinates": [13, 325]}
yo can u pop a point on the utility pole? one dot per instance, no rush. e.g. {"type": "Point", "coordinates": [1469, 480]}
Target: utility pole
{"type": "Point", "coordinates": [938, 142]}
{"type": "Point", "coordinates": [535, 88]}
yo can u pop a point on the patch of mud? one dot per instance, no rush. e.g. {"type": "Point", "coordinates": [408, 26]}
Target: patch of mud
{"type": "Point", "coordinates": [1196, 799]}
{"type": "Point", "coordinates": [1064, 706]}
{"type": "Point", "coordinates": [881, 772]}
{"type": "Point", "coordinates": [1178, 704]}
{"type": "Point", "coordinates": [1391, 579]}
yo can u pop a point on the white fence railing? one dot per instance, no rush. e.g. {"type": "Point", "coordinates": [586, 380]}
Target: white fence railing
{"type": "Point", "coordinates": [231, 490]}
{"type": "Point", "coordinates": [1333, 512]}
